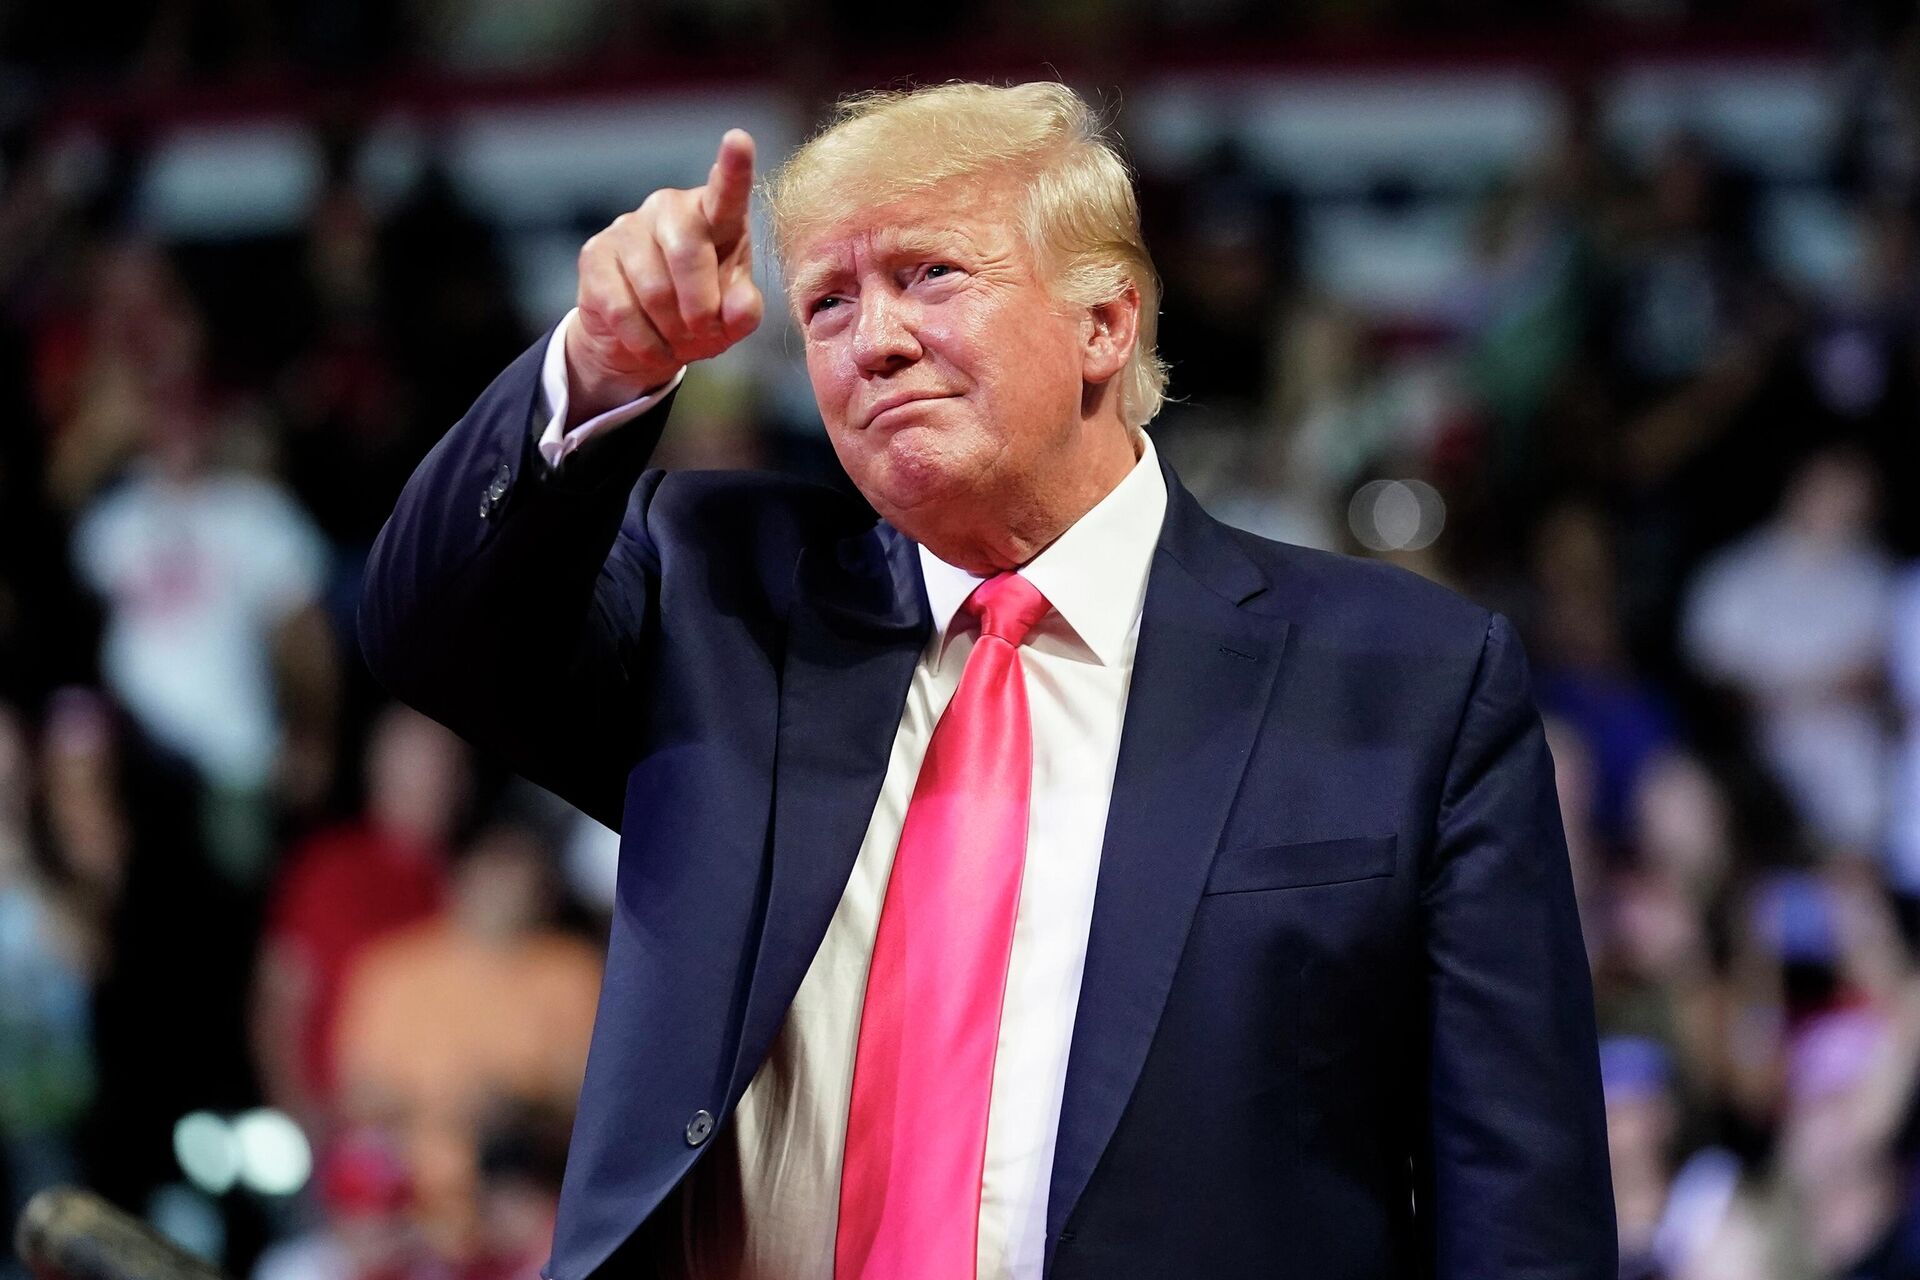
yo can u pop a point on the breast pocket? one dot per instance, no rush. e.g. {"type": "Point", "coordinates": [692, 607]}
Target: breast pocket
{"type": "Point", "coordinates": [1302, 864]}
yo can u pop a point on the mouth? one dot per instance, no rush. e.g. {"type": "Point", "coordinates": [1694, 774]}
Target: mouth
{"type": "Point", "coordinates": [900, 401]}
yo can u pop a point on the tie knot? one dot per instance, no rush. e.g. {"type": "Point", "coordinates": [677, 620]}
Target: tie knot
{"type": "Point", "coordinates": [1007, 606]}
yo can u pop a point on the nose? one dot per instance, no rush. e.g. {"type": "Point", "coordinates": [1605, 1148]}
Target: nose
{"type": "Point", "coordinates": [883, 333]}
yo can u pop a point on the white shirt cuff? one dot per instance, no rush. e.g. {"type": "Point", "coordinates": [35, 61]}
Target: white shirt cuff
{"type": "Point", "coordinates": [556, 442]}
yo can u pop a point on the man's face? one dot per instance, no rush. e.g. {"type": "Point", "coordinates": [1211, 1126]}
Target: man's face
{"type": "Point", "coordinates": [945, 369]}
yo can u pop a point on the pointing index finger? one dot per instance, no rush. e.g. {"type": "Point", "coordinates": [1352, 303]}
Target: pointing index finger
{"type": "Point", "coordinates": [728, 184]}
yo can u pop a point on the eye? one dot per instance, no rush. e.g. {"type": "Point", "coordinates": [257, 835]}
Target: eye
{"type": "Point", "coordinates": [818, 305]}
{"type": "Point", "coordinates": [934, 270]}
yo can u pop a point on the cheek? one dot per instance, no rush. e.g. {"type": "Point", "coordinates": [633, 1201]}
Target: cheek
{"type": "Point", "coordinates": [1026, 353]}
{"type": "Point", "coordinates": [1031, 380]}
{"type": "Point", "coordinates": [827, 371]}
{"type": "Point", "coordinates": [833, 388]}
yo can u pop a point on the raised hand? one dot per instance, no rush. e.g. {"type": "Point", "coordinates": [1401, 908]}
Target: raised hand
{"type": "Point", "coordinates": [665, 285]}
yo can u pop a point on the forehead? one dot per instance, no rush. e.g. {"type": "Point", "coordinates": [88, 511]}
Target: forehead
{"type": "Point", "coordinates": [970, 215]}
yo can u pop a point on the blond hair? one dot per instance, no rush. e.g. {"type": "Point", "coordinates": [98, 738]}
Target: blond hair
{"type": "Point", "coordinates": [1080, 216]}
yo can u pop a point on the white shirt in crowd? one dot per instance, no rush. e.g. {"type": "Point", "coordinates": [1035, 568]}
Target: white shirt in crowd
{"type": "Point", "coordinates": [1787, 619]}
{"type": "Point", "coordinates": [763, 1205]}
{"type": "Point", "coordinates": [197, 576]}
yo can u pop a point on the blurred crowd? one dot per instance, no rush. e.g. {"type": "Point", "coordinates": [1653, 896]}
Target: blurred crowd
{"type": "Point", "coordinates": [234, 876]}
{"type": "Point", "coordinates": [162, 43]}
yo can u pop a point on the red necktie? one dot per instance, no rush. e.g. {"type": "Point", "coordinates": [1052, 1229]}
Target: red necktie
{"type": "Point", "coordinates": [923, 1071]}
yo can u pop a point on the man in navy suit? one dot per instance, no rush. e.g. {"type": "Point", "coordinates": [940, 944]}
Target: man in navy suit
{"type": "Point", "coordinates": [1282, 976]}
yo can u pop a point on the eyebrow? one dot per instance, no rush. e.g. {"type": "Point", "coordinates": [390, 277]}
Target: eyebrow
{"type": "Point", "coordinates": [809, 282]}
{"type": "Point", "coordinates": [891, 243]}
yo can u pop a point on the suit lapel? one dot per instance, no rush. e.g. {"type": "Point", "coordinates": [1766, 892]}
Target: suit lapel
{"type": "Point", "coordinates": [1202, 675]}
{"type": "Point", "coordinates": [858, 623]}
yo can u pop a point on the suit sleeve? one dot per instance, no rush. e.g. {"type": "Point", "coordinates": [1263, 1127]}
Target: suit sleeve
{"type": "Point", "coordinates": [1512, 1176]}
{"type": "Point", "coordinates": [510, 600]}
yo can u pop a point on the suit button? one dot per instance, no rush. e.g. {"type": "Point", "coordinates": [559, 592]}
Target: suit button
{"type": "Point", "coordinates": [699, 1128]}
{"type": "Point", "coordinates": [496, 490]}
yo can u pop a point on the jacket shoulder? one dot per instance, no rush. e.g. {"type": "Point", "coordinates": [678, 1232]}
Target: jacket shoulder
{"type": "Point", "coordinates": [757, 506]}
{"type": "Point", "coordinates": [752, 520]}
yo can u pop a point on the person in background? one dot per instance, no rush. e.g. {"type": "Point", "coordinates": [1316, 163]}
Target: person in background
{"type": "Point", "coordinates": [368, 1232]}
{"type": "Point", "coordinates": [1641, 1117]}
{"type": "Point", "coordinates": [345, 888]}
{"type": "Point", "coordinates": [1585, 672]}
{"type": "Point", "coordinates": [523, 1152]}
{"type": "Point", "coordinates": [132, 342]}
{"type": "Point", "coordinates": [1794, 617]}
{"type": "Point", "coordinates": [215, 641]}
{"type": "Point", "coordinates": [486, 1000]}
{"type": "Point", "coordinates": [1849, 1079]}
{"type": "Point", "coordinates": [46, 1032]}
{"type": "Point", "coordinates": [174, 940]}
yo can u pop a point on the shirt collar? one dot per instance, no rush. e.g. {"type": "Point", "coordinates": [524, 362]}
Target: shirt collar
{"type": "Point", "coordinates": [1094, 575]}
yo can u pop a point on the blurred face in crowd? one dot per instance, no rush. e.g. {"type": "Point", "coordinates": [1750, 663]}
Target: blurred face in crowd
{"type": "Point", "coordinates": [1655, 925]}
{"type": "Point", "coordinates": [417, 777]}
{"type": "Point", "coordinates": [1681, 821]}
{"type": "Point", "coordinates": [1831, 500]}
{"type": "Point", "coordinates": [954, 384]}
{"type": "Point", "coordinates": [502, 888]}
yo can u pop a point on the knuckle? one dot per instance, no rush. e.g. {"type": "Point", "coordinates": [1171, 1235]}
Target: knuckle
{"type": "Point", "coordinates": [608, 291]}
{"type": "Point", "coordinates": [592, 303]}
{"type": "Point", "coordinates": [654, 291]}
{"type": "Point", "coordinates": [681, 250]}
{"type": "Point", "coordinates": [663, 205]}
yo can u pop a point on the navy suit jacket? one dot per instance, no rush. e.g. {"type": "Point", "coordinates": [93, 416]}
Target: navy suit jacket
{"type": "Point", "coordinates": [1336, 1020]}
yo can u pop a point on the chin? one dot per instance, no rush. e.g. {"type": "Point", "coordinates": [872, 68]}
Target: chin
{"type": "Point", "coordinates": [914, 477]}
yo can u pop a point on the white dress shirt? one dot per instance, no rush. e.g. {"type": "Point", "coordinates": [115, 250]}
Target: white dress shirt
{"type": "Point", "coordinates": [764, 1203]}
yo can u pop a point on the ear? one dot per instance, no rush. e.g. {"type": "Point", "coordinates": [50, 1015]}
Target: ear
{"type": "Point", "coordinates": [1109, 333]}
